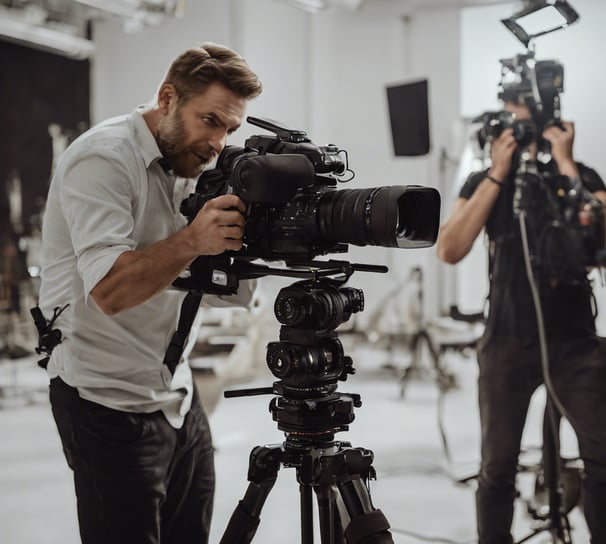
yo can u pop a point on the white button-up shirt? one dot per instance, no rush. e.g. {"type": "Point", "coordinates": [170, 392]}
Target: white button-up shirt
{"type": "Point", "coordinates": [109, 195]}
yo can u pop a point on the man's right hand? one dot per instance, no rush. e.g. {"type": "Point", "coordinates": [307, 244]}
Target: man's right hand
{"type": "Point", "coordinates": [219, 225]}
{"type": "Point", "coordinates": [501, 153]}
{"type": "Point", "coordinates": [138, 275]}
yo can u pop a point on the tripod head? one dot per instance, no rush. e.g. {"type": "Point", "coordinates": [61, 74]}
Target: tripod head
{"type": "Point", "coordinates": [309, 358]}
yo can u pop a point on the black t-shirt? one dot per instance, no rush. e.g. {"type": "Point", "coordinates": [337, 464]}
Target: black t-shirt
{"type": "Point", "coordinates": [567, 305]}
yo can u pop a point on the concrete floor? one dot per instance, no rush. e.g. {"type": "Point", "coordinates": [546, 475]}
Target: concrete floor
{"type": "Point", "coordinates": [416, 484]}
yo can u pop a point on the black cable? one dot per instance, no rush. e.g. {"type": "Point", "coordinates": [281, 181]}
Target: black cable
{"type": "Point", "coordinates": [540, 323]}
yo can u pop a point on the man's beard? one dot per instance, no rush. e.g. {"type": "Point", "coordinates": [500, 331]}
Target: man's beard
{"type": "Point", "coordinates": [184, 161]}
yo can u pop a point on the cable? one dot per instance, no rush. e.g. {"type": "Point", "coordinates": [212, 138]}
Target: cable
{"type": "Point", "coordinates": [540, 323]}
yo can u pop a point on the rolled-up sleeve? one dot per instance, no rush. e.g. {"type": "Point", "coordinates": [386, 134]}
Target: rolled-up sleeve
{"type": "Point", "coordinates": [97, 198]}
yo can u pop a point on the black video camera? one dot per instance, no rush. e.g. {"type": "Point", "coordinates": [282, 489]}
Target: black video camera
{"type": "Point", "coordinates": [294, 212]}
{"type": "Point", "coordinates": [538, 85]}
{"type": "Point", "coordinates": [495, 122]}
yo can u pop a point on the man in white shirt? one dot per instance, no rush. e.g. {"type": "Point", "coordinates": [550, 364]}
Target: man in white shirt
{"type": "Point", "coordinates": [132, 428]}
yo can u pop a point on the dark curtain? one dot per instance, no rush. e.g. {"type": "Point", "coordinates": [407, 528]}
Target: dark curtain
{"type": "Point", "coordinates": [37, 89]}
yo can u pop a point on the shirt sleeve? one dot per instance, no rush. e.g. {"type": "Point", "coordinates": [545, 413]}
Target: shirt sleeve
{"type": "Point", "coordinates": [97, 196]}
{"type": "Point", "coordinates": [591, 179]}
{"type": "Point", "coordinates": [471, 184]}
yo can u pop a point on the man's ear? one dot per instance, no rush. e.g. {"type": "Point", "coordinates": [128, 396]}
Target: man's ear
{"type": "Point", "coordinates": [167, 96]}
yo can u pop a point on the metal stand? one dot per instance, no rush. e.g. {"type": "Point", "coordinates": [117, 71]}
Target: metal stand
{"type": "Point", "coordinates": [444, 380]}
{"type": "Point", "coordinates": [335, 472]}
{"type": "Point", "coordinates": [554, 519]}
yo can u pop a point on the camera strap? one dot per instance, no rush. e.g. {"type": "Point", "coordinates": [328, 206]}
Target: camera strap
{"type": "Point", "coordinates": [189, 309]}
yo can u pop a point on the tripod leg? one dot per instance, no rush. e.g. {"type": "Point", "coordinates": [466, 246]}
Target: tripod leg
{"type": "Point", "coordinates": [307, 514]}
{"type": "Point", "coordinates": [444, 380]}
{"type": "Point", "coordinates": [262, 474]}
{"type": "Point", "coordinates": [331, 526]}
{"type": "Point", "coordinates": [414, 349]}
{"type": "Point", "coordinates": [552, 464]}
{"type": "Point", "coordinates": [368, 525]}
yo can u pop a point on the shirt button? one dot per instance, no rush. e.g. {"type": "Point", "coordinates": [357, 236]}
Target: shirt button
{"type": "Point", "coordinates": [167, 377]}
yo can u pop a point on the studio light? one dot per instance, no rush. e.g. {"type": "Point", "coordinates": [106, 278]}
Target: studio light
{"type": "Point", "coordinates": [61, 39]}
{"type": "Point", "coordinates": [313, 6]}
{"type": "Point", "coordinates": [539, 17]}
{"type": "Point", "coordinates": [137, 14]}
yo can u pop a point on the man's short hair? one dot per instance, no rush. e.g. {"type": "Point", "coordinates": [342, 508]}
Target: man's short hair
{"type": "Point", "coordinates": [194, 70]}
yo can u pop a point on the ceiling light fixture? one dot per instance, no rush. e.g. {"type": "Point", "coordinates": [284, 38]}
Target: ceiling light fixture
{"type": "Point", "coordinates": [313, 6]}
{"type": "Point", "coordinates": [137, 14]}
{"type": "Point", "coordinates": [44, 38]}
{"type": "Point", "coordinates": [539, 17]}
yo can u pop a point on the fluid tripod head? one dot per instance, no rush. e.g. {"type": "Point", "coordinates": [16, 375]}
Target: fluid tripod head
{"type": "Point", "coordinates": [309, 359]}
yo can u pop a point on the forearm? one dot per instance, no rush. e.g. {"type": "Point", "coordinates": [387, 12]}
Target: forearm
{"type": "Point", "coordinates": [138, 275]}
{"type": "Point", "coordinates": [467, 220]}
{"type": "Point", "coordinates": [567, 167]}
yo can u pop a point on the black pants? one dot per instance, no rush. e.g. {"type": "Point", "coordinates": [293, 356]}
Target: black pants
{"type": "Point", "coordinates": [510, 372]}
{"type": "Point", "coordinates": [137, 479]}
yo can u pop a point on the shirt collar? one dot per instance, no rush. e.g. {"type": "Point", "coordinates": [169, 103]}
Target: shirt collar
{"type": "Point", "coordinates": [144, 138]}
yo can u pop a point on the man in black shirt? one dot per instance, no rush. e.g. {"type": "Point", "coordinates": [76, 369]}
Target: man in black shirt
{"type": "Point", "coordinates": [509, 354]}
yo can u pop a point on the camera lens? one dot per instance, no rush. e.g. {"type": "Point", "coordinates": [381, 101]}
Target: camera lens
{"type": "Point", "coordinates": [396, 216]}
{"type": "Point", "coordinates": [524, 132]}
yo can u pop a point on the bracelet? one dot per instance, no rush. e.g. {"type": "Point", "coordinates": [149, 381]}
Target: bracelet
{"type": "Point", "coordinates": [495, 180]}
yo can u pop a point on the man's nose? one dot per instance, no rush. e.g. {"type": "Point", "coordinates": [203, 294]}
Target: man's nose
{"type": "Point", "coordinates": [218, 141]}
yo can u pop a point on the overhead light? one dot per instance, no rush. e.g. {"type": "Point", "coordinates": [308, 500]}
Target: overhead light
{"type": "Point", "coordinates": [349, 4]}
{"type": "Point", "coordinates": [313, 6]}
{"type": "Point", "coordinates": [539, 17]}
{"type": "Point", "coordinates": [42, 37]}
{"type": "Point", "coordinates": [137, 14]}
{"type": "Point", "coordinates": [120, 8]}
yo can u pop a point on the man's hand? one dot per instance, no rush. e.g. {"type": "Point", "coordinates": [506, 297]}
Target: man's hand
{"type": "Point", "coordinates": [562, 141]}
{"type": "Point", "coordinates": [501, 152]}
{"type": "Point", "coordinates": [219, 225]}
{"type": "Point", "coordinates": [138, 275]}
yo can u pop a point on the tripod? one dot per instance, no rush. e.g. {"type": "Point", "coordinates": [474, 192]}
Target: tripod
{"type": "Point", "coordinates": [335, 472]}
{"type": "Point", "coordinates": [561, 499]}
{"type": "Point", "coordinates": [309, 359]}
{"type": "Point", "coordinates": [444, 379]}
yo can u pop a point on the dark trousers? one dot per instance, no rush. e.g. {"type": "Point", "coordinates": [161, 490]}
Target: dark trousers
{"type": "Point", "coordinates": [510, 372]}
{"type": "Point", "coordinates": [137, 479]}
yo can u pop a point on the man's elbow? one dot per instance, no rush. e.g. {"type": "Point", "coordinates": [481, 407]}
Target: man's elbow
{"type": "Point", "coordinates": [106, 304]}
{"type": "Point", "coordinates": [448, 253]}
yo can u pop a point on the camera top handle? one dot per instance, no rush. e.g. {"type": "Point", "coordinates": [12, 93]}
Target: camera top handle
{"type": "Point", "coordinates": [282, 132]}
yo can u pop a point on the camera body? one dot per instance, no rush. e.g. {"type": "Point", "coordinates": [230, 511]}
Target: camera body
{"type": "Point", "coordinates": [536, 83]}
{"type": "Point", "coordinates": [495, 122]}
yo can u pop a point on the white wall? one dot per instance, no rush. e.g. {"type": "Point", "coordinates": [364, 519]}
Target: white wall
{"type": "Point", "coordinates": [356, 55]}
{"type": "Point", "coordinates": [580, 48]}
